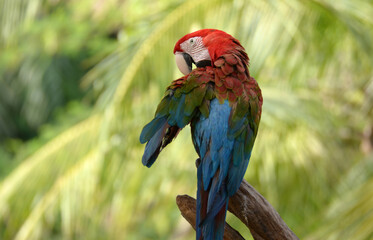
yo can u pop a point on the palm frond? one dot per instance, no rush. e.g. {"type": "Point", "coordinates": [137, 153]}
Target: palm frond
{"type": "Point", "coordinates": [352, 203]}
{"type": "Point", "coordinates": [302, 150]}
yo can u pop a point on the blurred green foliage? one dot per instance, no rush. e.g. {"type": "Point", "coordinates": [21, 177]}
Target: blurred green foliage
{"type": "Point", "coordinates": [79, 79]}
{"type": "Point", "coordinates": [46, 48]}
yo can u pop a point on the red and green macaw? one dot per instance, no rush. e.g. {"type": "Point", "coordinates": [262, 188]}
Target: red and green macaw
{"type": "Point", "coordinates": [223, 105]}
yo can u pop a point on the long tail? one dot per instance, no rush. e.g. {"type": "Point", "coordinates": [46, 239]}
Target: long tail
{"type": "Point", "coordinates": [212, 206]}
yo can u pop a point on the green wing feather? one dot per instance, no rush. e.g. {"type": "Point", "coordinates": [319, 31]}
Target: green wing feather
{"type": "Point", "coordinates": [183, 99]}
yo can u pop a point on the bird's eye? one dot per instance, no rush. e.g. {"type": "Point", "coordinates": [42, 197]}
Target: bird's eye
{"type": "Point", "coordinates": [191, 40]}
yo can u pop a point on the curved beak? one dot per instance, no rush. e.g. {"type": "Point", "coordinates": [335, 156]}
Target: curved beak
{"type": "Point", "coordinates": [184, 62]}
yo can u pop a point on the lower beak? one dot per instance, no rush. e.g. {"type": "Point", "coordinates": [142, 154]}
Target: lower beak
{"type": "Point", "coordinates": [184, 62]}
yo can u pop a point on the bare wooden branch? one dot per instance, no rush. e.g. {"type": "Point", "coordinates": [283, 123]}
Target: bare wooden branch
{"type": "Point", "coordinates": [252, 209]}
{"type": "Point", "coordinates": [258, 215]}
{"type": "Point", "coordinates": [187, 206]}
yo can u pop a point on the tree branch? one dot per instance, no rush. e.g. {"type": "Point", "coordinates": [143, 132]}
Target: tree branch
{"type": "Point", "coordinates": [252, 209]}
{"type": "Point", "coordinates": [187, 206]}
{"type": "Point", "coordinates": [258, 214]}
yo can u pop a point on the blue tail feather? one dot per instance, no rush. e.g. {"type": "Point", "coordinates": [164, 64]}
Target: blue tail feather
{"type": "Point", "coordinates": [212, 206]}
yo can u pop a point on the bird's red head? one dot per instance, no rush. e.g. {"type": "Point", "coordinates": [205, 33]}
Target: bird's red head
{"type": "Point", "coordinates": [203, 47]}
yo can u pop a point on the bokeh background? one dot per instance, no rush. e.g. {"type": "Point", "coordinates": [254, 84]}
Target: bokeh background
{"type": "Point", "coordinates": [79, 80]}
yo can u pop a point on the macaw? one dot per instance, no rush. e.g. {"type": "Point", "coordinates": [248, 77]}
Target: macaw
{"type": "Point", "coordinates": [223, 105]}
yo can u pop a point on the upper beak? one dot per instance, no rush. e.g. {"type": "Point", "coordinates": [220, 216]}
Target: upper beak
{"type": "Point", "coordinates": [184, 62]}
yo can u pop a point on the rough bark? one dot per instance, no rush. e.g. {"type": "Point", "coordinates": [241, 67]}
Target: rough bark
{"type": "Point", "coordinates": [252, 209]}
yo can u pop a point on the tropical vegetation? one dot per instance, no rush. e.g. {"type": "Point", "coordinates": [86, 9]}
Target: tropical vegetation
{"type": "Point", "coordinates": [79, 80]}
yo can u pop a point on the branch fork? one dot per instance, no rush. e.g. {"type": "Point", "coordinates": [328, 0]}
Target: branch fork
{"type": "Point", "coordinates": [251, 208]}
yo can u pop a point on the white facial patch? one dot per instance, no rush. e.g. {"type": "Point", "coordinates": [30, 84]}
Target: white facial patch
{"type": "Point", "coordinates": [195, 48]}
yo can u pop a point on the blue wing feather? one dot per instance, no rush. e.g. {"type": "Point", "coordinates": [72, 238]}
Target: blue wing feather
{"type": "Point", "coordinates": [211, 142]}
{"type": "Point", "coordinates": [170, 114]}
{"type": "Point", "coordinates": [215, 150]}
{"type": "Point", "coordinates": [224, 158]}
{"type": "Point", "coordinates": [153, 146]}
{"type": "Point", "coordinates": [151, 128]}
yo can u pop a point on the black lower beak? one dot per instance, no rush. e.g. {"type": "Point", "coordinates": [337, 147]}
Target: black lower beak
{"type": "Point", "coordinates": [189, 60]}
